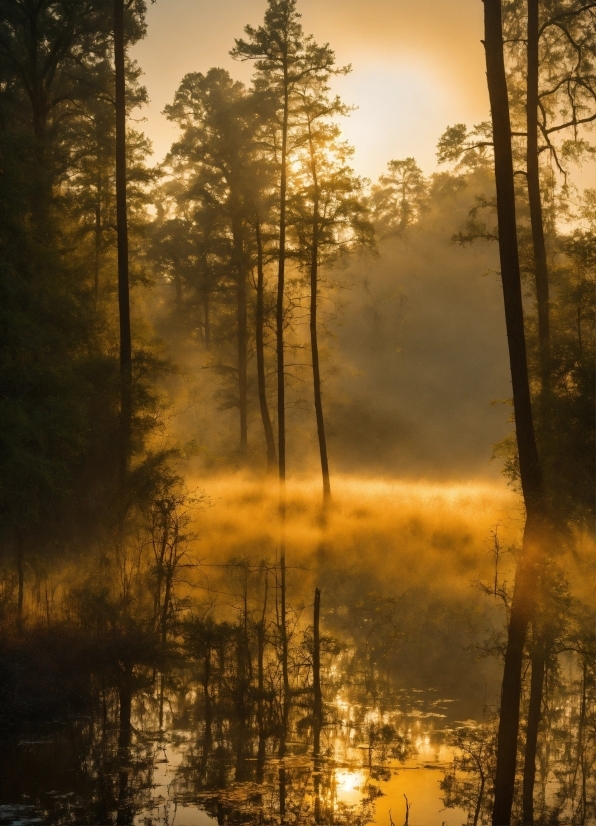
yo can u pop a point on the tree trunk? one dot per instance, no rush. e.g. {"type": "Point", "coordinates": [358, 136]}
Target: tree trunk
{"type": "Point", "coordinates": [247, 651]}
{"type": "Point", "coordinates": [206, 319]}
{"type": "Point", "coordinates": [261, 696]}
{"type": "Point", "coordinates": [208, 739]}
{"type": "Point", "coordinates": [282, 795]}
{"type": "Point", "coordinates": [124, 815]}
{"type": "Point", "coordinates": [284, 653]}
{"type": "Point", "coordinates": [122, 227]}
{"type": "Point", "coordinates": [314, 342]}
{"type": "Point", "coordinates": [170, 572]}
{"type": "Point", "coordinates": [261, 683]}
{"type": "Point", "coordinates": [581, 741]}
{"type": "Point", "coordinates": [530, 470]}
{"type": "Point", "coordinates": [20, 565]}
{"type": "Point", "coordinates": [260, 677]}
{"type": "Point", "coordinates": [166, 606]}
{"type": "Point", "coordinates": [542, 300]}
{"type": "Point", "coordinates": [97, 246]}
{"type": "Point", "coordinates": [478, 808]}
{"type": "Point", "coordinates": [242, 329]}
{"type": "Point", "coordinates": [534, 711]}
{"type": "Point", "coordinates": [281, 409]}
{"type": "Point", "coordinates": [523, 599]}
{"type": "Point", "coordinates": [162, 681]}
{"type": "Point", "coordinates": [206, 680]}
{"type": "Point", "coordinates": [535, 203]}
{"type": "Point", "coordinates": [178, 289]}
{"type": "Point", "coordinates": [317, 793]}
{"type": "Point", "coordinates": [316, 668]}
{"type": "Point", "coordinates": [260, 348]}
{"type": "Point", "coordinates": [160, 570]}
{"type": "Point", "coordinates": [125, 697]}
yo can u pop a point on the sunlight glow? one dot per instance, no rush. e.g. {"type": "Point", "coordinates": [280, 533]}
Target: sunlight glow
{"type": "Point", "coordinates": [348, 782]}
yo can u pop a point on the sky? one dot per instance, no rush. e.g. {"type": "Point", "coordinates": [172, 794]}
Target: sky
{"type": "Point", "coordinates": [417, 66]}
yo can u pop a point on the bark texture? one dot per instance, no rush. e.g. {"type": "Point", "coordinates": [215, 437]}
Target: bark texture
{"type": "Point", "coordinates": [260, 352]}
{"type": "Point", "coordinates": [242, 325]}
{"type": "Point", "coordinates": [281, 389]}
{"type": "Point", "coordinates": [534, 714]}
{"type": "Point", "coordinates": [523, 599]}
{"type": "Point", "coordinates": [314, 341]}
{"type": "Point", "coordinates": [281, 404]}
{"type": "Point", "coordinates": [535, 200]}
{"type": "Point", "coordinates": [316, 668]}
{"type": "Point", "coordinates": [122, 228]}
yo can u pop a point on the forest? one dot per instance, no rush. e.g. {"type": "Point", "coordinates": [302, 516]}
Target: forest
{"type": "Point", "coordinates": [297, 468]}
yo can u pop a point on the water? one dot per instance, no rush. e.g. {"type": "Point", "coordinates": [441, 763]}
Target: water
{"type": "Point", "coordinates": [408, 614]}
{"type": "Point", "coordinates": [76, 773]}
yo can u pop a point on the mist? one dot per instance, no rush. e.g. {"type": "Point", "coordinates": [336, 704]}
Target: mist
{"type": "Point", "coordinates": [297, 417]}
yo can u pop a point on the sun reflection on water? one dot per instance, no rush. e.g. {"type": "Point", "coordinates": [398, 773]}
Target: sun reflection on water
{"type": "Point", "coordinates": [348, 785]}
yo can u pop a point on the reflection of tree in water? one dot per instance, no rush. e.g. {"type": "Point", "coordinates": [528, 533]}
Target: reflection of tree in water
{"type": "Point", "coordinates": [566, 760]}
{"type": "Point", "coordinates": [220, 758]}
{"type": "Point", "coordinates": [199, 723]}
{"type": "Point", "coordinates": [79, 774]}
{"type": "Point", "coordinates": [468, 785]}
{"type": "Point", "coordinates": [289, 792]}
{"type": "Point", "coordinates": [261, 787]}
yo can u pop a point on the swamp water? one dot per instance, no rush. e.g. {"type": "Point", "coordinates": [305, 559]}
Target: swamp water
{"type": "Point", "coordinates": [406, 572]}
{"type": "Point", "coordinates": [79, 773]}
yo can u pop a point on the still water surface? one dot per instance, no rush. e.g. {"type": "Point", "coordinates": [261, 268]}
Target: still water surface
{"type": "Point", "coordinates": [75, 773]}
